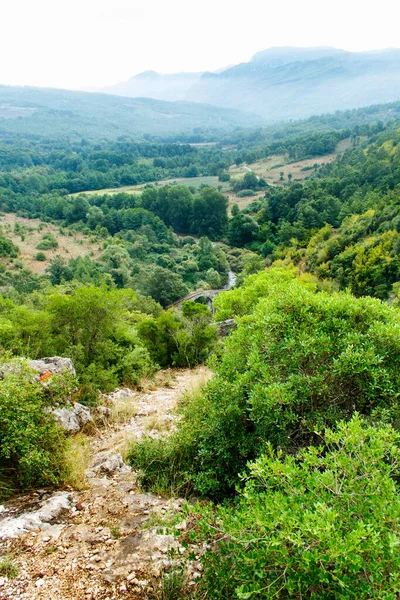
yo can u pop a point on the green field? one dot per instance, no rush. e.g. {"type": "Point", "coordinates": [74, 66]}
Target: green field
{"type": "Point", "coordinates": [195, 182]}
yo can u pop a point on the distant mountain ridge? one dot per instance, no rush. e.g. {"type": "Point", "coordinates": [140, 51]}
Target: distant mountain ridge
{"type": "Point", "coordinates": [54, 112]}
{"type": "Point", "coordinates": [283, 83]}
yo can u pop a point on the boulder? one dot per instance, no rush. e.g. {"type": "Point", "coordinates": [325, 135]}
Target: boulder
{"type": "Point", "coordinates": [72, 419]}
{"type": "Point", "coordinates": [52, 365]}
{"type": "Point", "coordinates": [109, 465]}
{"type": "Point", "coordinates": [44, 367]}
{"type": "Point", "coordinates": [82, 413]}
{"type": "Point", "coordinates": [67, 419]}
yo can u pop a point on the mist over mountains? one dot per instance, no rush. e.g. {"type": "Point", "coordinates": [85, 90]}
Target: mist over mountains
{"type": "Point", "coordinates": [282, 83]}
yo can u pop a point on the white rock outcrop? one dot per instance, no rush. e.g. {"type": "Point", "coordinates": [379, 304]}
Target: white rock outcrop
{"type": "Point", "coordinates": [42, 518]}
{"type": "Point", "coordinates": [72, 419]}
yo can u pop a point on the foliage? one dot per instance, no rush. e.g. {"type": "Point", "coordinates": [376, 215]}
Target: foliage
{"type": "Point", "coordinates": [323, 524]}
{"type": "Point", "coordinates": [7, 248]}
{"type": "Point", "coordinates": [95, 327]}
{"type": "Point", "coordinates": [298, 361]}
{"type": "Point", "coordinates": [31, 451]}
{"type": "Point", "coordinates": [179, 339]}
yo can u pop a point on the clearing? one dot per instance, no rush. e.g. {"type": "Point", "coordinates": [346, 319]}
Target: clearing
{"type": "Point", "coordinates": [27, 234]}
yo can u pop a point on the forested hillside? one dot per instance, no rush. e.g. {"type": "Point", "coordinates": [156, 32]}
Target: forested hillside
{"type": "Point", "coordinates": [53, 112]}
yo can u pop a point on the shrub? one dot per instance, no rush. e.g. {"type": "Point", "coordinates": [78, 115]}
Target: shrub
{"type": "Point", "coordinates": [245, 193]}
{"type": "Point", "coordinates": [324, 524]}
{"type": "Point", "coordinates": [299, 361]}
{"type": "Point", "coordinates": [40, 256]}
{"type": "Point", "coordinates": [8, 249]}
{"type": "Point", "coordinates": [32, 444]}
{"type": "Point", "coordinates": [180, 339]}
{"type": "Point", "coordinates": [47, 242]}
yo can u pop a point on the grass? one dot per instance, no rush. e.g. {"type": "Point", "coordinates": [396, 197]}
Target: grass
{"type": "Point", "coordinates": [8, 568]}
{"type": "Point", "coordinates": [173, 586]}
{"type": "Point", "coordinates": [123, 409]}
{"type": "Point", "coordinates": [115, 531]}
{"type": "Point", "coordinates": [77, 460]}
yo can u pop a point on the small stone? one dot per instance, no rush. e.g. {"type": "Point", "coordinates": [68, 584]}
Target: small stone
{"type": "Point", "coordinates": [39, 583]}
{"type": "Point", "coordinates": [79, 506]}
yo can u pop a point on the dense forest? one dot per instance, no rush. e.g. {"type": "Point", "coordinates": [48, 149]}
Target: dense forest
{"type": "Point", "coordinates": [292, 447]}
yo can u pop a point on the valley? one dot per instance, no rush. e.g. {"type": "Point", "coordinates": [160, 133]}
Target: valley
{"type": "Point", "coordinates": [159, 439]}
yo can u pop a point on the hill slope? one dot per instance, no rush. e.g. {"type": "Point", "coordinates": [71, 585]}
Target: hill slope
{"type": "Point", "coordinates": [60, 112]}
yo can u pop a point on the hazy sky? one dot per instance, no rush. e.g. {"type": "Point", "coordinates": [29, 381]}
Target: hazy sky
{"type": "Point", "coordinates": [81, 43]}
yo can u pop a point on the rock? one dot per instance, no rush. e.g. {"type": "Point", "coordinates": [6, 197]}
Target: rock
{"type": "Point", "coordinates": [120, 394]}
{"type": "Point", "coordinates": [53, 364]}
{"type": "Point", "coordinates": [67, 419]}
{"type": "Point", "coordinates": [110, 464]}
{"type": "Point", "coordinates": [224, 327]}
{"type": "Point", "coordinates": [72, 419]}
{"type": "Point", "coordinates": [103, 411]}
{"type": "Point", "coordinates": [82, 413]}
{"type": "Point", "coordinates": [51, 510]}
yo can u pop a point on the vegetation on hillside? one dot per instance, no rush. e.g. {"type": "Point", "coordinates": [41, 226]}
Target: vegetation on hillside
{"type": "Point", "coordinates": [294, 440]}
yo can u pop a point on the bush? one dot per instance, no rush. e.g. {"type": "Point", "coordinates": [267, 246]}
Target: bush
{"type": "Point", "coordinates": [47, 242]}
{"type": "Point", "coordinates": [299, 361]}
{"type": "Point", "coordinates": [245, 193]}
{"type": "Point", "coordinates": [324, 524]}
{"type": "Point", "coordinates": [40, 256]}
{"type": "Point", "coordinates": [32, 444]}
{"type": "Point", "coordinates": [8, 249]}
{"type": "Point", "coordinates": [179, 339]}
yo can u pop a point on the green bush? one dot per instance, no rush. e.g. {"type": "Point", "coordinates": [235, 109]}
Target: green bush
{"type": "Point", "coordinates": [321, 525]}
{"type": "Point", "coordinates": [7, 248]}
{"type": "Point", "coordinates": [245, 193]}
{"type": "Point", "coordinates": [180, 339]}
{"type": "Point", "coordinates": [48, 242]}
{"type": "Point", "coordinates": [40, 256]}
{"type": "Point", "coordinates": [298, 361]}
{"type": "Point", "coordinates": [32, 444]}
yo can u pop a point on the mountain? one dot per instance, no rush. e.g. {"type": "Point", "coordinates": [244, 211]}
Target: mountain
{"type": "Point", "coordinates": [154, 85]}
{"type": "Point", "coordinates": [54, 112]}
{"type": "Point", "coordinates": [284, 83]}
{"type": "Point", "coordinates": [295, 84]}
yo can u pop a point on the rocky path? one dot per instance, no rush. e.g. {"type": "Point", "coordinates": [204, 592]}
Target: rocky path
{"type": "Point", "coordinates": [100, 543]}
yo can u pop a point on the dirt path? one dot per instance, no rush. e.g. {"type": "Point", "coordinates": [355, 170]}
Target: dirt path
{"type": "Point", "coordinates": [104, 547]}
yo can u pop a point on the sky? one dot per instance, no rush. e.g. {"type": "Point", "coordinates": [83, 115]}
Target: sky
{"type": "Point", "coordinates": [80, 44]}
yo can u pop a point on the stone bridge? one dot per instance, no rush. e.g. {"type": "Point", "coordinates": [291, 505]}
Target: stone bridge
{"type": "Point", "coordinates": [207, 294]}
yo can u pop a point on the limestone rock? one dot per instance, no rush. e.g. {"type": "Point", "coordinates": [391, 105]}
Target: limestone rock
{"type": "Point", "coordinates": [82, 413]}
{"type": "Point", "coordinates": [74, 418]}
{"type": "Point", "coordinates": [110, 464]}
{"type": "Point", "coordinates": [224, 327]}
{"type": "Point", "coordinates": [67, 419]}
{"type": "Point", "coordinates": [53, 364]}
{"type": "Point", "coordinates": [51, 510]}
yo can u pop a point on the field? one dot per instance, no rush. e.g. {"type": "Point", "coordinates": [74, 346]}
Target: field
{"type": "Point", "coordinates": [27, 234]}
{"type": "Point", "coordinates": [195, 182]}
{"type": "Point", "coordinates": [269, 168]}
